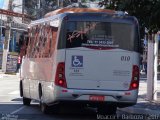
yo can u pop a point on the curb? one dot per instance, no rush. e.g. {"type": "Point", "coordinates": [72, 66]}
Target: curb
{"type": "Point", "coordinates": [144, 111]}
{"type": "Point", "coordinates": [3, 76]}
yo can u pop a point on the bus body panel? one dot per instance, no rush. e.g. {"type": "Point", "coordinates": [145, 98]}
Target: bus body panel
{"type": "Point", "coordinates": [35, 72]}
{"type": "Point", "coordinates": [100, 69]}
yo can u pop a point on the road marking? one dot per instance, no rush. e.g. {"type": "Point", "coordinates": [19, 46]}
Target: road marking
{"type": "Point", "coordinates": [19, 109]}
{"type": "Point", "coordinates": [14, 92]}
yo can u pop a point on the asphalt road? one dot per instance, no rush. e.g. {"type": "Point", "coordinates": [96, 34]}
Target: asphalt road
{"type": "Point", "coordinates": [11, 107]}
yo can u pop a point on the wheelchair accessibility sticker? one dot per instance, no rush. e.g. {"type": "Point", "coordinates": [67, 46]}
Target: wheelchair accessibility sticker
{"type": "Point", "coordinates": [77, 61]}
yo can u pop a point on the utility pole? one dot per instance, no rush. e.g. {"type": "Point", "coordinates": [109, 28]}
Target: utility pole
{"type": "Point", "coordinates": [155, 66]}
{"type": "Point", "coordinates": [7, 38]}
{"type": "Point", "coordinates": [150, 67]}
{"type": "Point", "coordinates": [61, 4]}
{"type": "Point", "coordinates": [1, 27]}
{"type": "Point", "coordinates": [23, 11]}
{"type": "Point", "coordinates": [58, 3]}
{"type": "Point", "coordinates": [152, 63]}
{"type": "Point", "coordinates": [79, 3]}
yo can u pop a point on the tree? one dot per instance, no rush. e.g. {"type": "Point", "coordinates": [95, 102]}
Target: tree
{"type": "Point", "coordinates": [38, 8]}
{"type": "Point", "coordinates": [143, 10]}
{"type": "Point", "coordinates": [31, 7]}
{"type": "Point", "coordinates": [155, 16]}
{"type": "Point", "coordinates": [146, 11]}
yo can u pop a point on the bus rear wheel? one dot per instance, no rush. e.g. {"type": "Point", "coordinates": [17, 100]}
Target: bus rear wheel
{"type": "Point", "coordinates": [26, 101]}
{"type": "Point", "coordinates": [44, 108]}
{"type": "Point", "coordinates": [21, 88]}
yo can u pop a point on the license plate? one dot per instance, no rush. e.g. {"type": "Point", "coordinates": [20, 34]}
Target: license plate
{"type": "Point", "coordinates": [96, 98]}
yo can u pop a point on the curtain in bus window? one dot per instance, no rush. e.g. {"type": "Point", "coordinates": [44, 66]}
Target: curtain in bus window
{"type": "Point", "coordinates": [100, 34]}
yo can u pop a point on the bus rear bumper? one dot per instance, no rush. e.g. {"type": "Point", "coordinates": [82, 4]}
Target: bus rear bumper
{"type": "Point", "coordinates": [120, 98]}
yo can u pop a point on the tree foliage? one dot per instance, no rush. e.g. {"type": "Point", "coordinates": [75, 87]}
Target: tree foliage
{"type": "Point", "coordinates": [147, 11]}
{"type": "Point", "coordinates": [29, 6]}
{"type": "Point", "coordinates": [38, 8]}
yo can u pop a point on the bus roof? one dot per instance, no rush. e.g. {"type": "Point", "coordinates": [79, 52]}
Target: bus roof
{"type": "Point", "coordinates": [78, 10]}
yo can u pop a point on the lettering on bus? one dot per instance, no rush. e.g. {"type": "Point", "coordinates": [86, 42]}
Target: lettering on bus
{"type": "Point", "coordinates": [125, 58]}
{"type": "Point", "coordinates": [100, 42]}
{"type": "Point", "coordinates": [76, 33]}
{"type": "Point", "coordinates": [121, 73]}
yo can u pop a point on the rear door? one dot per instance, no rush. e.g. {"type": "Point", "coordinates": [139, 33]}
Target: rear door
{"type": "Point", "coordinates": [92, 69]}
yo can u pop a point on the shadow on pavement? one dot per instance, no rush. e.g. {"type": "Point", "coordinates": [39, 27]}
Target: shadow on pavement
{"type": "Point", "coordinates": [17, 99]}
{"type": "Point", "coordinates": [33, 112]}
{"type": "Point", "coordinates": [152, 105]}
{"type": "Point", "coordinates": [144, 97]}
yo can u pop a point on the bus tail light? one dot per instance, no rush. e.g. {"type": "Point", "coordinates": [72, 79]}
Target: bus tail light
{"type": "Point", "coordinates": [60, 79]}
{"type": "Point", "coordinates": [135, 78]}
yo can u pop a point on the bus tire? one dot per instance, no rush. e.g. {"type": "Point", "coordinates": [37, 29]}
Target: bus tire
{"type": "Point", "coordinates": [40, 91]}
{"type": "Point", "coordinates": [21, 88]}
{"type": "Point", "coordinates": [44, 108]}
{"type": "Point", "coordinates": [107, 110]}
{"type": "Point", "coordinates": [26, 101]}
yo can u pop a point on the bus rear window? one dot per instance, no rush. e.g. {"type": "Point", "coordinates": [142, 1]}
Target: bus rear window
{"type": "Point", "coordinates": [100, 34]}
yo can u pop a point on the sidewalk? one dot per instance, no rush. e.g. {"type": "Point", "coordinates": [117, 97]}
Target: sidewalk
{"type": "Point", "coordinates": [144, 106]}
{"type": "Point", "coordinates": [144, 76]}
{"type": "Point", "coordinates": [2, 75]}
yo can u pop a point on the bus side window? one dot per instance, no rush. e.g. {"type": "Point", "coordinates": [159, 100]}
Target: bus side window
{"type": "Point", "coordinates": [38, 41]}
{"type": "Point", "coordinates": [54, 31]}
{"type": "Point", "coordinates": [34, 38]}
{"type": "Point", "coordinates": [41, 41]}
{"type": "Point", "coordinates": [29, 48]}
{"type": "Point", "coordinates": [33, 41]}
{"type": "Point", "coordinates": [28, 43]}
{"type": "Point", "coordinates": [44, 41]}
{"type": "Point", "coordinates": [48, 42]}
